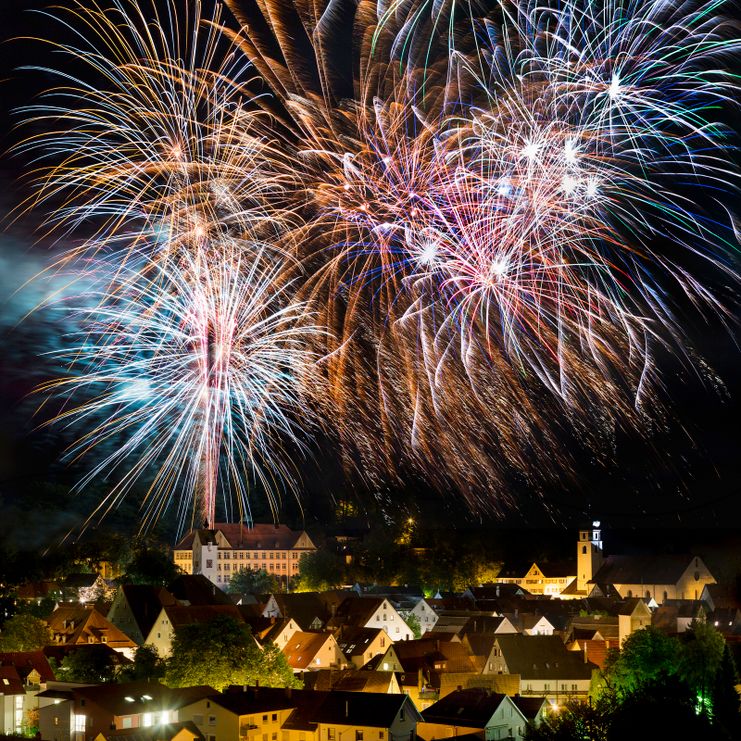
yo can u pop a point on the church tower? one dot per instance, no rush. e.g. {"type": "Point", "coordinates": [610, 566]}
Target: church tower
{"type": "Point", "coordinates": [588, 555]}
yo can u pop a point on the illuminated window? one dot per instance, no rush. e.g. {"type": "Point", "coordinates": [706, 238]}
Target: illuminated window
{"type": "Point", "coordinates": [78, 723]}
{"type": "Point", "coordinates": [147, 720]}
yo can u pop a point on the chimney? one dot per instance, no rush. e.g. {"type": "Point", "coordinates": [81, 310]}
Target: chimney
{"type": "Point", "coordinates": [347, 708]}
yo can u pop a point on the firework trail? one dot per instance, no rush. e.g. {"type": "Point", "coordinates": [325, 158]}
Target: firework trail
{"type": "Point", "coordinates": [490, 209]}
{"type": "Point", "coordinates": [189, 379]}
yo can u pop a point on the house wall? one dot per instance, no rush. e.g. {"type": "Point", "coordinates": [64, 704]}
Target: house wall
{"type": "Point", "coordinates": [122, 617]}
{"type": "Point", "coordinates": [388, 618]}
{"type": "Point", "coordinates": [426, 615]}
{"type": "Point", "coordinates": [55, 720]}
{"type": "Point", "coordinates": [161, 634]}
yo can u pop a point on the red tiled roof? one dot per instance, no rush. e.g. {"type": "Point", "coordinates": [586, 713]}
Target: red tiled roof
{"type": "Point", "coordinates": [239, 535]}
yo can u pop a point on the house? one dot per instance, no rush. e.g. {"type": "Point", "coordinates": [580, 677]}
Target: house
{"type": "Point", "coordinates": [307, 651]}
{"type": "Point", "coordinates": [195, 590]}
{"type": "Point", "coordinates": [633, 614]}
{"type": "Point", "coordinates": [37, 591]}
{"type": "Point", "coordinates": [22, 675]}
{"type": "Point", "coordinates": [536, 625]}
{"type": "Point", "coordinates": [488, 624]}
{"type": "Point", "coordinates": [407, 601]}
{"type": "Point", "coordinates": [659, 577]}
{"type": "Point", "coordinates": [79, 713]}
{"type": "Point", "coordinates": [352, 680]}
{"type": "Point", "coordinates": [78, 625]}
{"type": "Point", "coordinates": [309, 609]}
{"type": "Point", "coordinates": [544, 665]}
{"type": "Point", "coordinates": [171, 617]}
{"type": "Point", "coordinates": [424, 613]}
{"type": "Point", "coordinates": [135, 609]}
{"type": "Point", "coordinates": [372, 612]}
{"type": "Point", "coordinates": [360, 645]}
{"type": "Point", "coordinates": [676, 616]}
{"type": "Point", "coordinates": [186, 731]}
{"type": "Point", "coordinates": [278, 631]}
{"type": "Point", "coordinates": [546, 578]}
{"type": "Point", "coordinates": [258, 713]}
{"type": "Point", "coordinates": [474, 711]}
{"type": "Point", "coordinates": [32, 667]}
{"type": "Point", "coordinates": [228, 547]}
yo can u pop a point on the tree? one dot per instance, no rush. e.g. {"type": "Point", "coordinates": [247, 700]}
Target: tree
{"type": "Point", "coordinates": [725, 704]}
{"type": "Point", "coordinates": [661, 707]}
{"type": "Point", "coordinates": [147, 666]}
{"type": "Point", "coordinates": [150, 566]}
{"type": "Point", "coordinates": [24, 632]}
{"type": "Point", "coordinates": [575, 721]}
{"type": "Point", "coordinates": [319, 571]}
{"type": "Point", "coordinates": [223, 652]}
{"type": "Point", "coordinates": [253, 581]}
{"type": "Point", "coordinates": [646, 654]}
{"type": "Point", "coordinates": [702, 653]}
{"type": "Point", "coordinates": [413, 623]}
{"type": "Point", "coordinates": [93, 664]}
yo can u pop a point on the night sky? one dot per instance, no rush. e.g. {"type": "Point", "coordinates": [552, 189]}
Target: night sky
{"type": "Point", "coordinates": [685, 475]}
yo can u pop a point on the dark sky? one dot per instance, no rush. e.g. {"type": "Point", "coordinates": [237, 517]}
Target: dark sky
{"type": "Point", "coordinates": [686, 476]}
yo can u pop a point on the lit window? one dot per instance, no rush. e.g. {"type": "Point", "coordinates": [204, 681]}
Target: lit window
{"type": "Point", "coordinates": [147, 720]}
{"type": "Point", "coordinates": [79, 723]}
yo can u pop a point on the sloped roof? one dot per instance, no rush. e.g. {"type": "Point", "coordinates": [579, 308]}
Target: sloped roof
{"type": "Point", "coordinates": [144, 696]}
{"type": "Point", "coordinates": [152, 733]}
{"type": "Point", "coordinates": [358, 610]}
{"type": "Point", "coordinates": [644, 570]}
{"type": "Point", "coordinates": [542, 657]}
{"type": "Point", "coordinates": [145, 603]}
{"type": "Point", "coordinates": [240, 535]}
{"type": "Point", "coordinates": [10, 681]}
{"type": "Point", "coordinates": [370, 709]}
{"type": "Point", "coordinates": [529, 706]}
{"type": "Point", "coordinates": [180, 615]}
{"type": "Point", "coordinates": [303, 607]}
{"type": "Point", "coordinates": [38, 589]}
{"type": "Point", "coordinates": [27, 661]}
{"type": "Point", "coordinates": [483, 624]}
{"type": "Point", "coordinates": [353, 641]}
{"type": "Point", "coordinates": [557, 569]}
{"type": "Point", "coordinates": [75, 624]}
{"type": "Point", "coordinates": [196, 589]}
{"type": "Point", "coordinates": [303, 647]}
{"type": "Point", "coordinates": [348, 680]}
{"type": "Point", "coordinates": [472, 707]}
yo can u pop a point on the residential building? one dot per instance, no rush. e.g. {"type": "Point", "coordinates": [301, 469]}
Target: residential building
{"type": "Point", "coordinates": [492, 715]}
{"type": "Point", "coordinates": [544, 665]}
{"type": "Point", "coordinates": [360, 645]}
{"type": "Point", "coordinates": [260, 713]}
{"type": "Point", "coordinates": [77, 625]}
{"type": "Point", "coordinates": [172, 617]}
{"type": "Point", "coordinates": [135, 609]}
{"type": "Point", "coordinates": [308, 651]}
{"type": "Point", "coordinates": [372, 612]}
{"type": "Point", "coordinates": [186, 731]}
{"type": "Point", "coordinates": [228, 547]}
{"type": "Point", "coordinates": [78, 713]}
{"type": "Point", "coordinates": [543, 578]}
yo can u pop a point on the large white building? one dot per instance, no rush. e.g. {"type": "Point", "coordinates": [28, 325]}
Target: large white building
{"type": "Point", "coordinates": [228, 547]}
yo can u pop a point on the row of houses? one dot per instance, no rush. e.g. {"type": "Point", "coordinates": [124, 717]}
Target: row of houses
{"type": "Point", "coordinates": [144, 710]}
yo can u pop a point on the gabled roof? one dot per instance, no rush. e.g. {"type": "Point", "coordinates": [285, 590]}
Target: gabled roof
{"type": "Point", "coordinates": [145, 603]}
{"type": "Point", "coordinates": [359, 610]}
{"type": "Point", "coordinates": [303, 647]}
{"type": "Point", "coordinates": [38, 590]}
{"type": "Point", "coordinates": [132, 698]}
{"type": "Point", "coordinates": [152, 733]}
{"type": "Point", "coordinates": [303, 607]}
{"type": "Point", "coordinates": [644, 570]}
{"type": "Point", "coordinates": [529, 706]}
{"type": "Point", "coordinates": [240, 535]}
{"type": "Point", "coordinates": [542, 657]}
{"type": "Point", "coordinates": [310, 707]}
{"type": "Point", "coordinates": [25, 662]}
{"type": "Point", "coordinates": [180, 615]}
{"type": "Point", "coordinates": [483, 624]}
{"type": "Point", "coordinates": [470, 707]}
{"type": "Point", "coordinates": [348, 680]}
{"type": "Point", "coordinates": [10, 681]}
{"type": "Point", "coordinates": [76, 624]}
{"type": "Point", "coordinates": [354, 641]}
{"type": "Point", "coordinates": [426, 653]}
{"type": "Point", "coordinates": [196, 589]}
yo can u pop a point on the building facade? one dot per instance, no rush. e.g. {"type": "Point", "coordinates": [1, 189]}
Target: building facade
{"type": "Point", "coordinates": [220, 552]}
